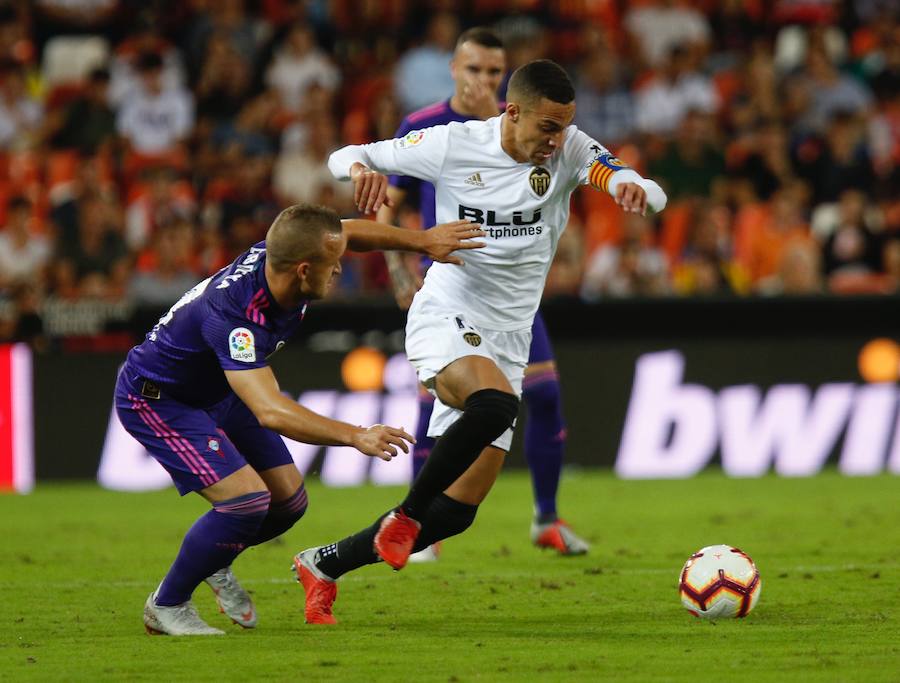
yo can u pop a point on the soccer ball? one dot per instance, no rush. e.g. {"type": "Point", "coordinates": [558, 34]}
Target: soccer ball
{"type": "Point", "coordinates": [719, 582]}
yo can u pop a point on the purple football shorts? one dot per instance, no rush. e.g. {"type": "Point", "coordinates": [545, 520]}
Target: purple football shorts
{"type": "Point", "coordinates": [197, 446]}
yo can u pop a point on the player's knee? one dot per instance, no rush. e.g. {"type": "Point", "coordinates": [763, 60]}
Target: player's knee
{"type": "Point", "coordinates": [249, 509]}
{"type": "Point", "coordinates": [293, 508]}
{"type": "Point", "coordinates": [493, 410]}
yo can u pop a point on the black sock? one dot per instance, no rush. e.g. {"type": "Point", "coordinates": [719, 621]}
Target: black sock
{"type": "Point", "coordinates": [445, 518]}
{"type": "Point", "coordinates": [488, 414]}
{"type": "Point", "coordinates": [336, 559]}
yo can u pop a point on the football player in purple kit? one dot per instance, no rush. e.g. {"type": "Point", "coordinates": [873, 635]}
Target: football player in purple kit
{"type": "Point", "coordinates": [478, 68]}
{"type": "Point", "coordinates": [199, 394]}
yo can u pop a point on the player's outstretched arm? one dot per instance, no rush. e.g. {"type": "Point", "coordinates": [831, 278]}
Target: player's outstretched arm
{"type": "Point", "coordinates": [406, 273]}
{"type": "Point", "coordinates": [604, 172]}
{"type": "Point", "coordinates": [419, 154]}
{"type": "Point", "coordinates": [635, 194]}
{"type": "Point", "coordinates": [438, 243]}
{"type": "Point", "coordinates": [258, 389]}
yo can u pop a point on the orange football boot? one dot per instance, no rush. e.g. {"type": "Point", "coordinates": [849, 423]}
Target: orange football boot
{"type": "Point", "coordinates": [559, 536]}
{"type": "Point", "coordinates": [396, 537]}
{"type": "Point", "coordinates": [321, 592]}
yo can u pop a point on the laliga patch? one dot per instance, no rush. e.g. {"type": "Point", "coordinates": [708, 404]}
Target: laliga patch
{"type": "Point", "coordinates": [241, 345]}
{"type": "Point", "coordinates": [411, 139]}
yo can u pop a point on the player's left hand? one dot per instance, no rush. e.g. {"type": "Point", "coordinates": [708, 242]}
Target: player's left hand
{"type": "Point", "coordinates": [632, 198]}
{"type": "Point", "coordinates": [369, 189]}
{"type": "Point", "coordinates": [442, 240]}
{"type": "Point", "coordinates": [381, 441]}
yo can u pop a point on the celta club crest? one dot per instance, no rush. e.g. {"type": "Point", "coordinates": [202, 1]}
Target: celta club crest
{"type": "Point", "coordinates": [539, 179]}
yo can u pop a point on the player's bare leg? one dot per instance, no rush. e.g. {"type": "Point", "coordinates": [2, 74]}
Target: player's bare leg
{"type": "Point", "coordinates": [451, 513]}
{"type": "Point", "coordinates": [477, 481]}
{"type": "Point", "coordinates": [282, 481]}
{"type": "Point", "coordinates": [469, 475]}
{"type": "Point", "coordinates": [464, 376]}
{"type": "Point", "coordinates": [475, 385]}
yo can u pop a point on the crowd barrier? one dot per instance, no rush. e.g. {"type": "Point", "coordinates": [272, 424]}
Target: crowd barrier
{"type": "Point", "coordinates": [652, 389]}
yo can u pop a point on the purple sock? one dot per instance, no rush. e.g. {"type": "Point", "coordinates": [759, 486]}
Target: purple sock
{"type": "Point", "coordinates": [545, 439]}
{"type": "Point", "coordinates": [283, 514]}
{"type": "Point", "coordinates": [212, 543]}
{"type": "Point", "coordinates": [424, 443]}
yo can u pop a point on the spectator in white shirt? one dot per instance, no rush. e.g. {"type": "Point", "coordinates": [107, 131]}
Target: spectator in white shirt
{"type": "Point", "coordinates": [125, 77]}
{"type": "Point", "coordinates": [154, 120]}
{"type": "Point", "coordinates": [300, 174]}
{"type": "Point", "coordinates": [297, 65]}
{"type": "Point", "coordinates": [422, 76]}
{"type": "Point", "coordinates": [676, 90]}
{"type": "Point", "coordinates": [23, 256]}
{"type": "Point", "coordinates": [660, 27]}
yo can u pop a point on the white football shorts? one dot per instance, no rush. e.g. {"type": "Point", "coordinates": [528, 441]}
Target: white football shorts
{"type": "Point", "coordinates": [436, 336]}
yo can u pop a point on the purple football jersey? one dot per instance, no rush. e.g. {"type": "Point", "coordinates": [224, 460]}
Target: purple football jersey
{"type": "Point", "coordinates": [229, 321]}
{"type": "Point", "coordinates": [434, 115]}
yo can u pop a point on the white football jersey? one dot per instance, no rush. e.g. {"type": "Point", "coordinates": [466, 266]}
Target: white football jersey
{"type": "Point", "coordinates": [523, 209]}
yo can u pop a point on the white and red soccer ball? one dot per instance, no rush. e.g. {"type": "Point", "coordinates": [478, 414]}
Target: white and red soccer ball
{"type": "Point", "coordinates": [719, 582]}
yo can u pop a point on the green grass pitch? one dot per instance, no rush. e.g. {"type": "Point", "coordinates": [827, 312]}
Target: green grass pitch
{"type": "Point", "coordinates": [77, 563]}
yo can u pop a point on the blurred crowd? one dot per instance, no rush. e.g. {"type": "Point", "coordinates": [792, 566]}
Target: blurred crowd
{"type": "Point", "coordinates": [143, 144]}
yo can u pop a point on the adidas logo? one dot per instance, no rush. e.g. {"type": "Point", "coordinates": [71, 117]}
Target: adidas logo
{"type": "Point", "coordinates": [474, 179]}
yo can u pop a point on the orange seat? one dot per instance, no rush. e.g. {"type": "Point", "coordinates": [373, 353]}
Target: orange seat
{"type": "Point", "coordinates": [62, 167]}
{"type": "Point", "coordinates": [602, 220]}
{"type": "Point", "coordinates": [676, 226]}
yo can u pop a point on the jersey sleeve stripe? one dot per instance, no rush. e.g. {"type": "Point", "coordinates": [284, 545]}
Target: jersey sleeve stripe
{"type": "Point", "coordinates": [599, 176]}
{"type": "Point", "coordinates": [421, 114]}
{"type": "Point", "coordinates": [254, 308]}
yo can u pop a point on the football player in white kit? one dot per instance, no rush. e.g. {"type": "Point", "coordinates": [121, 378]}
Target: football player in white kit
{"type": "Point", "coordinates": [469, 329]}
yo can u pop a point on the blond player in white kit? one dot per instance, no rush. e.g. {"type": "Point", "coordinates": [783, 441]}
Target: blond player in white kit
{"type": "Point", "coordinates": [469, 329]}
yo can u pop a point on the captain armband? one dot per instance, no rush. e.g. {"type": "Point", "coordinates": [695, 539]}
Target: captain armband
{"type": "Point", "coordinates": [602, 169]}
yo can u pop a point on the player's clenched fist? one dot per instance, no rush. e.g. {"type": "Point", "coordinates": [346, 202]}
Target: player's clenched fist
{"type": "Point", "coordinates": [381, 441]}
{"type": "Point", "coordinates": [442, 240]}
{"type": "Point", "coordinates": [369, 189]}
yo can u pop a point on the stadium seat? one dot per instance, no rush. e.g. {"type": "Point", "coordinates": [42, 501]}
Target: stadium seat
{"type": "Point", "coordinates": [70, 59]}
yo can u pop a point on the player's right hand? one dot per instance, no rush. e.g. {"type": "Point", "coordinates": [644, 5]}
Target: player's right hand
{"type": "Point", "coordinates": [442, 240]}
{"type": "Point", "coordinates": [381, 441]}
{"type": "Point", "coordinates": [369, 189]}
{"type": "Point", "coordinates": [479, 99]}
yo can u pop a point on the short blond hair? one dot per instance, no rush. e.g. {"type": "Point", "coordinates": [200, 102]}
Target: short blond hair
{"type": "Point", "coordinates": [296, 234]}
